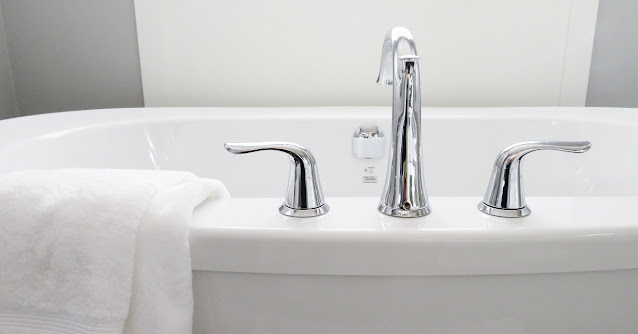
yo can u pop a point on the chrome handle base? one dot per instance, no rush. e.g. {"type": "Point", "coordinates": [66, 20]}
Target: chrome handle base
{"type": "Point", "coordinates": [304, 197]}
{"type": "Point", "coordinates": [504, 213]}
{"type": "Point", "coordinates": [303, 213]}
{"type": "Point", "coordinates": [504, 196]}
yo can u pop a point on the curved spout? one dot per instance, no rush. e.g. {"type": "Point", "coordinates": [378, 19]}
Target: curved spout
{"type": "Point", "coordinates": [398, 43]}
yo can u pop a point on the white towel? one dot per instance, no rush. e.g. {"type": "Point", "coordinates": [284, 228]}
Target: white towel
{"type": "Point", "coordinates": [97, 251]}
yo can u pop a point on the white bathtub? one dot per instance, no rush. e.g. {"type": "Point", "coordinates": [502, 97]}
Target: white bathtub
{"type": "Point", "coordinates": [570, 267]}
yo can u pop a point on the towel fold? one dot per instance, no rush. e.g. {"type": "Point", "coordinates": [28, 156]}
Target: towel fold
{"type": "Point", "coordinates": [97, 251]}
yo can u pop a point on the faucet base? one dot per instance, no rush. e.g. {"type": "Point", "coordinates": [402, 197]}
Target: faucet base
{"type": "Point", "coordinates": [505, 213]}
{"type": "Point", "coordinates": [403, 213]}
{"type": "Point", "coordinates": [303, 213]}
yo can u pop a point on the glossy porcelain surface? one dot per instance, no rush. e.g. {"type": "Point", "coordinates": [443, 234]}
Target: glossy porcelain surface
{"type": "Point", "coordinates": [570, 267]}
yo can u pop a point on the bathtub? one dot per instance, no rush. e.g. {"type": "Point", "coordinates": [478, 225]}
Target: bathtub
{"type": "Point", "coordinates": [569, 267]}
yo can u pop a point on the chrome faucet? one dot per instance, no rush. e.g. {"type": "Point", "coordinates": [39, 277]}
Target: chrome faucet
{"type": "Point", "coordinates": [304, 197]}
{"type": "Point", "coordinates": [504, 196]}
{"type": "Point", "coordinates": [404, 193]}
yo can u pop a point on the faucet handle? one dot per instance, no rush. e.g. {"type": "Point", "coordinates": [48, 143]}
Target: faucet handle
{"type": "Point", "coordinates": [504, 196]}
{"type": "Point", "coordinates": [304, 197]}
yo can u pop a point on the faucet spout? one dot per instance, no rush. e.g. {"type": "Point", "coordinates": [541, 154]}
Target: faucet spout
{"type": "Point", "coordinates": [398, 43]}
{"type": "Point", "coordinates": [404, 194]}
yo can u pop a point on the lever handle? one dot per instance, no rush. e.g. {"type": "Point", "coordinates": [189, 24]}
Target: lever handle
{"type": "Point", "coordinates": [504, 196]}
{"type": "Point", "coordinates": [304, 197]}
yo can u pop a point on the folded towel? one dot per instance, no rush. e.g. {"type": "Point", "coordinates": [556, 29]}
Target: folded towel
{"type": "Point", "coordinates": [97, 251]}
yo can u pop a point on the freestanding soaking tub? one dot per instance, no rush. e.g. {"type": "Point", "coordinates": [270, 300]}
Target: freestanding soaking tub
{"type": "Point", "coordinates": [569, 267]}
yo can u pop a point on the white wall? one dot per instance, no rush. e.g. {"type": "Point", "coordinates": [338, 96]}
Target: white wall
{"type": "Point", "coordinates": [291, 52]}
{"type": "Point", "coordinates": [100, 39]}
{"type": "Point", "coordinates": [8, 102]}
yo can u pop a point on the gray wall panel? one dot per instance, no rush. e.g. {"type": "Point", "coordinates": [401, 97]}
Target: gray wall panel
{"type": "Point", "coordinates": [8, 103]}
{"type": "Point", "coordinates": [72, 55]}
{"type": "Point", "coordinates": [613, 79]}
